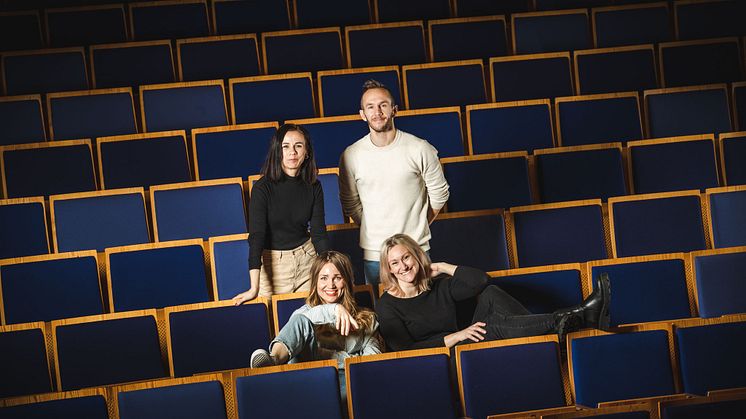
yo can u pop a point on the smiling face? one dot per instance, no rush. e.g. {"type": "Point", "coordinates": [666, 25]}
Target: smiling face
{"type": "Point", "coordinates": [331, 284]}
{"type": "Point", "coordinates": [403, 265]}
{"type": "Point", "coordinates": [378, 109]}
{"type": "Point", "coordinates": [294, 152]}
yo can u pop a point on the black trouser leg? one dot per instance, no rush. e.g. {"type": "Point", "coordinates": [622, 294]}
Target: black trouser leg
{"type": "Point", "coordinates": [507, 318]}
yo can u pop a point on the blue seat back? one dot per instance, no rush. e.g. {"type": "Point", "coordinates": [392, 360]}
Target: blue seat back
{"type": "Point", "coordinates": [211, 58]}
{"type": "Point", "coordinates": [739, 102]}
{"type": "Point", "coordinates": [183, 107]}
{"type": "Point", "coordinates": [733, 152]}
{"type": "Point", "coordinates": [230, 264]}
{"type": "Point", "coordinates": [728, 219]}
{"type": "Point", "coordinates": [621, 366]}
{"type": "Point", "coordinates": [395, 11]}
{"type": "Point", "coordinates": [308, 14]}
{"type": "Point", "coordinates": [45, 71]}
{"type": "Point", "coordinates": [651, 26]}
{"type": "Point", "coordinates": [467, 8]}
{"type": "Point", "coordinates": [719, 283]}
{"type": "Point", "coordinates": [272, 99]}
{"type": "Point", "coordinates": [701, 407]}
{"type": "Point", "coordinates": [21, 120]}
{"type": "Point", "coordinates": [80, 26]}
{"type": "Point", "coordinates": [310, 51]}
{"type": "Point", "coordinates": [331, 137]}
{"type": "Point", "coordinates": [464, 40]}
{"type": "Point", "coordinates": [23, 229]}
{"type": "Point", "coordinates": [519, 127]}
{"type": "Point", "coordinates": [121, 65]}
{"type": "Point", "coordinates": [285, 309]}
{"type": "Point", "coordinates": [205, 339]}
{"type": "Point", "coordinates": [476, 240]}
{"type": "Point", "coordinates": [460, 85]}
{"type": "Point", "coordinates": [332, 205]}
{"type": "Point", "coordinates": [551, 32]}
{"type": "Point", "coordinates": [91, 115]}
{"type": "Point", "coordinates": [24, 368]}
{"type": "Point", "coordinates": [93, 407]}
{"type": "Point", "coordinates": [165, 21]}
{"type": "Point", "coordinates": [339, 93]}
{"type": "Point", "coordinates": [506, 183]}
{"type": "Point", "coordinates": [20, 31]}
{"type": "Point", "coordinates": [440, 128]}
{"type": "Point", "coordinates": [703, 111]}
{"type": "Point", "coordinates": [601, 120]}
{"type": "Point", "coordinates": [239, 17]}
{"type": "Point", "coordinates": [190, 400]}
{"type": "Point", "coordinates": [346, 240]}
{"type": "Point", "coordinates": [231, 152]}
{"type": "Point", "coordinates": [531, 78]}
{"type": "Point", "coordinates": [640, 287]}
{"type": "Point", "coordinates": [672, 166]}
{"type": "Point", "coordinates": [709, 19]}
{"type": "Point", "coordinates": [543, 291]}
{"type": "Point", "coordinates": [376, 45]}
{"type": "Point", "coordinates": [688, 64]}
{"type": "Point", "coordinates": [50, 288]}
{"type": "Point", "coordinates": [156, 277]}
{"type": "Point", "coordinates": [612, 70]}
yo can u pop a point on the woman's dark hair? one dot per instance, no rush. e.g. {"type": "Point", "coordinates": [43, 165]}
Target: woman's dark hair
{"type": "Point", "coordinates": [273, 163]}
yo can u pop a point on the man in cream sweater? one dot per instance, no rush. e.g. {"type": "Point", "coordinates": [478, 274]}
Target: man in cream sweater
{"type": "Point", "coordinates": [389, 181]}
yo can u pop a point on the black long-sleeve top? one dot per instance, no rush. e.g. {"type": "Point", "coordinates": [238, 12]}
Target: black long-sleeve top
{"type": "Point", "coordinates": [279, 215]}
{"type": "Point", "coordinates": [423, 321]}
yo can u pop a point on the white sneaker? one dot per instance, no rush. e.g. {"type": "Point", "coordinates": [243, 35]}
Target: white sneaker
{"type": "Point", "coordinates": [261, 358]}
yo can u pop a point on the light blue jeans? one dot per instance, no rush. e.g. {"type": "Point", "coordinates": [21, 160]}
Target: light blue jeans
{"type": "Point", "coordinates": [372, 272]}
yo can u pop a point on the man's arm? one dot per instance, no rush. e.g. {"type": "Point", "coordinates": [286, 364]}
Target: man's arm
{"type": "Point", "coordinates": [348, 194]}
{"type": "Point", "coordinates": [435, 183]}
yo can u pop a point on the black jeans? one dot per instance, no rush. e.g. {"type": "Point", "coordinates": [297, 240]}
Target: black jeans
{"type": "Point", "coordinates": [507, 318]}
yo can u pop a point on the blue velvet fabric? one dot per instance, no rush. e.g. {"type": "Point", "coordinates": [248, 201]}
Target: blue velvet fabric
{"type": "Point", "coordinates": [543, 292]}
{"type": "Point", "coordinates": [49, 171]}
{"type": "Point", "coordinates": [551, 33]}
{"type": "Point", "coordinates": [91, 116]}
{"type": "Point", "coordinates": [123, 66]}
{"type": "Point", "coordinates": [734, 153]}
{"type": "Point", "coordinates": [365, 299]}
{"type": "Point", "coordinates": [688, 65]}
{"type": "Point", "coordinates": [20, 32]}
{"type": "Point", "coordinates": [624, 415]}
{"type": "Point", "coordinates": [397, 11]}
{"type": "Point", "coordinates": [640, 288]}
{"type": "Point", "coordinates": [273, 100]}
{"type": "Point", "coordinates": [168, 21]}
{"type": "Point", "coordinates": [710, 20]}
{"type": "Point", "coordinates": [386, 46]}
{"type": "Point", "coordinates": [600, 121]}
{"type": "Point", "coordinates": [688, 113]}
{"type": "Point", "coordinates": [51, 290]}
{"type": "Point", "coordinates": [651, 26]}
{"type": "Point", "coordinates": [44, 72]}
{"type": "Point", "coordinates": [238, 17]}
{"type": "Point", "coordinates": [312, 393]}
{"type": "Point", "coordinates": [219, 59]}
{"type": "Point", "coordinates": [347, 241]}
{"type": "Point", "coordinates": [487, 184]}
{"type": "Point", "coordinates": [92, 407]}
{"type": "Point", "coordinates": [513, 128]}
{"type": "Point", "coordinates": [710, 409]}
{"type": "Point", "coordinates": [309, 14]}
{"type": "Point", "coordinates": [674, 166]}
{"type": "Point", "coordinates": [21, 122]}
{"type": "Point", "coordinates": [728, 219]}
{"type": "Point", "coordinates": [442, 130]}
{"type": "Point", "coordinates": [575, 175]}
{"type": "Point", "coordinates": [332, 206]}
{"type": "Point", "coordinates": [739, 102]}
{"type": "Point", "coordinates": [340, 93]}
{"type": "Point", "coordinates": [23, 231]}
{"type": "Point", "coordinates": [425, 379]}
{"type": "Point", "coordinates": [285, 309]}
{"type": "Point", "coordinates": [184, 108]}
{"type": "Point", "coordinates": [158, 278]}
{"type": "Point", "coordinates": [206, 340]}
{"type": "Point", "coordinates": [231, 263]}
{"type": "Point", "coordinates": [621, 366]}
{"type": "Point", "coordinates": [330, 139]}
{"type": "Point", "coordinates": [144, 162]}
{"type": "Point", "coordinates": [532, 79]}
{"type": "Point", "coordinates": [24, 363]}
{"type": "Point", "coordinates": [107, 352]}
{"type": "Point", "coordinates": [234, 153]}
{"type": "Point", "coordinates": [466, 40]}
{"type": "Point", "coordinates": [511, 379]}
{"type": "Point", "coordinates": [720, 284]}
{"type": "Point", "coordinates": [559, 235]}
{"type": "Point", "coordinates": [477, 241]}
{"type": "Point", "coordinates": [617, 71]}
{"type": "Point", "coordinates": [303, 52]}
{"type": "Point", "coordinates": [201, 211]}
{"type": "Point", "coordinates": [711, 357]}
{"type": "Point", "coordinates": [663, 225]}
{"type": "Point", "coordinates": [459, 85]}
{"type": "Point", "coordinates": [203, 400]}
{"type": "Point", "coordinates": [467, 8]}
{"type": "Point", "coordinates": [70, 28]}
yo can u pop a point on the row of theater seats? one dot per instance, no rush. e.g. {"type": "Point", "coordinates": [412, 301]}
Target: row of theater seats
{"type": "Point", "coordinates": [653, 362]}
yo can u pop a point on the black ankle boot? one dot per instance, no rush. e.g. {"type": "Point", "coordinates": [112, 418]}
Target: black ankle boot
{"type": "Point", "coordinates": [594, 310]}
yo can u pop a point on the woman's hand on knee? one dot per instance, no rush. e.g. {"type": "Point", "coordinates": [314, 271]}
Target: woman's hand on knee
{"type": "Point", "coordinates": [245, 296]}
{"type": "Point", "coordinates": [345, 322]}
{"type": "Point", "coordinates": [475, 333]}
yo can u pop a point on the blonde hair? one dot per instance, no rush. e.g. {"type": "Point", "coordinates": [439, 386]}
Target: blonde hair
{"type": "Point", "coordinates": [362, 315]}
{"type": "Point", "coordinates": [422, 281]}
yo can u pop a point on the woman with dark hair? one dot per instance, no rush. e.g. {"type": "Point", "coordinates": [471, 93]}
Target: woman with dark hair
{"type": "Point", "coordinates": [418, 309]}
{"type": "Point", "coordinates": [284, 201]}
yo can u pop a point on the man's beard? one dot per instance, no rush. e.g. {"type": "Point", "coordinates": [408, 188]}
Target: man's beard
{"type": "Point", "coordinates": [388, 126]}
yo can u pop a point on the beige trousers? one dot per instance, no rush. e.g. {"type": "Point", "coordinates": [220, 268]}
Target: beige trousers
{"type": "Point", "coordinates": [286, 271]}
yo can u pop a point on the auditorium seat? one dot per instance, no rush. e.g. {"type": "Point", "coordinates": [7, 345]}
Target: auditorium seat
{"type": "Point", "coordinates": [217, 57]}
{"type": "Point", "coordinates": [97, 220]}
{"type": "Point", "coordinates": [44, 71]}
{"type": "Point", "coordinates": [509, 126]}
{"type": "Point", "coordinates": [397, 11]}
{"type": "Point", "coordinates": [131, 64]}
{"type": "Point", "coordinates": [184, 106]}
{"type": "Point", "coordinates": [633, 24]}
{"type": "Point", "coordinates": [201, 396]}
{"type": "Point", "coordinates": [215, 336]}
{"type": "Point", "coordinates": [329, 180]}
{"type": "Point", "coordinates": [688, 63]}
{"type": "Point", "coordinates": [231, 17]}
{"type": "Point", "coordinates": [312, 14]}
{"type": "Point", "coordinates": [671, 164]}
{"type": "Point", "coordinates": [596, 119]}
{"type": "Point", "coordinates": [25, 354]}
{"type": "Point", "coordinates": [648, 224]}
{"type": "Point", "coordinates": [616, 69]}
{"type": "Point", "coordinates": [302, 50]}
{"type": "Point", "coordinates": [687, 110]}
{"type": "Point", "coordinates": [20, 30]}
{"type": "Point", "coordinates": [345, 238]}
{"type": "Point", "coordinates": [739, 104]}
{"type": "Point", "coordinates": [331, 136]}
{"type": "Point", "coordinates": [642, 284]}
{"type": "Point", "coordinates": [85, 25]}
{"type": "Point", "coordinates": [557, 233]}
{"type": "Point", "coordinates": [231, 151]}
{"type": "Point", "coordinates": [467, 38]}
{"type": "Point", "coordinates": [551, 31]}
{"type": "Point", "coordinates": [460, 83]}
{"type": "Point", "coordinates": [471, 238]}
{"type": "Point", "coordinates": [107, 349]}
{"type": "Point", "coordinates": [339, 90]}
{"type": "Point", "coordinates": [283, 306]}
{"type": "Point", "coordinates": [542, 5]}
{"type": "Point", "coordinates": [544, 289]}
{"type": "Point", "coordinates": [398, 43]}
{"type": "Point", "coordinates": [21, 120]}
{"type": "Point", "coordinates": [708, 19]}
{"type": "Point", "coordinates": [271, 98]}
{"type": "Point", "coordinates": [168, 20]}
{"type": "Point", "coordinates": [719, 286]}
{"type": "Point", "coordinates": [50, 287]}
{"type": "Point", "coordinates": [531, 76]}
{"type": "Point", "coordinates": [580, 172]}
{"type": "Point", "coordinates": [732, 148]}
{"type": "Point", "coordinates": [23, 227]}
{"type": "Point", "coordinates": [629, 411]}
{"type": "Point", "coordinates": [467, 8]}
{"type": "Point", "coordinates": [91, 114]}
{"type": "Point", "coordinates": [488, 181]}
{"type": "Point", "coordinates": [198, 209]}
{"type": "Point", "coordinates": [89, 403]}
{"type": "Point", "coordinates": [712, 406]}
{"type": "Point", "coordinates": [156, 275]}
{"type": "Point", "coordinates": [50, 168]}
{"type": "Point", "coordinates": [229, 263]}
{"type": "Point", "coordinates": [441, 127]}
{"type": "Point", "coordinates": [726, 209]}
{"type": "Point", "coordinates": [143, 160]}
